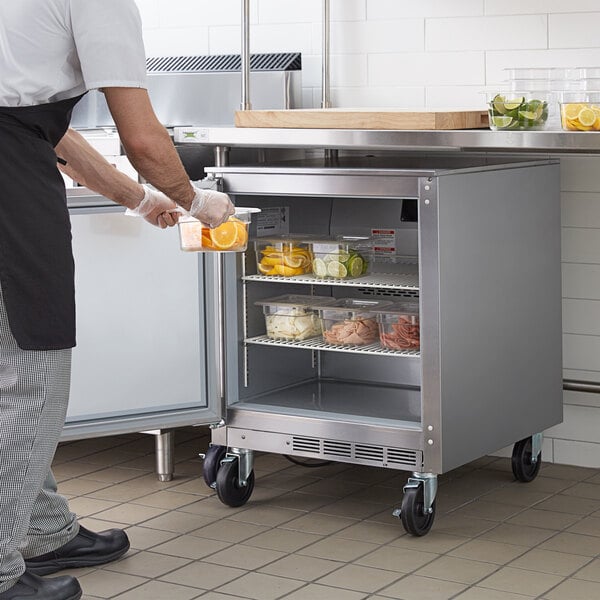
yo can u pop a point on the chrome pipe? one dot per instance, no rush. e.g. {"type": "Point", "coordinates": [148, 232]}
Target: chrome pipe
{"type": "Point", "coordinates": [576, 385]}
{"type": "Point", "coordinates": [325, 70]}
{"type": "Point", "coordinates": [245, 56]}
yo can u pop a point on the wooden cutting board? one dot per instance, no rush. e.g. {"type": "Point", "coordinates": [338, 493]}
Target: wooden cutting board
{"type": "Point", "coordinates": [358, 118]}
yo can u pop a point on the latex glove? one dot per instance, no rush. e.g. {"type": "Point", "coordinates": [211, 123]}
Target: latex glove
{"type": "Point", "coordinates": [211, 207]}
{"type": "Point", "coordinates": [156, 208]}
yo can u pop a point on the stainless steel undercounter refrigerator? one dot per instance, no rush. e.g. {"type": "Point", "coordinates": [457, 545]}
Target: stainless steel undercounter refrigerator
{"type": "Point", "coordinates": [476, 250]}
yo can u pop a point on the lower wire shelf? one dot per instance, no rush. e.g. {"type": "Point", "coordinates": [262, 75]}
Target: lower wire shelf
{"type": "Point", "coordinates": [319, 344]}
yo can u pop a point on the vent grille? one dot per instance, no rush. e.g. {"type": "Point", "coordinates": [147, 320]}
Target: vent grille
{"type": "Point", "coordinates": [222, 63]}
{"type": "Point", "coordinates": [389, 293]}
{"type": "Point", "coordinates": [358, 453]}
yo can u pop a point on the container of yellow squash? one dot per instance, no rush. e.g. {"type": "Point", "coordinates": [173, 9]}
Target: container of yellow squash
{"type": "Point", "coordinates": [282, 257]}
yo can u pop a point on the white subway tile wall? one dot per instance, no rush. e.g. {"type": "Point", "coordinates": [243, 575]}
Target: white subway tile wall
{"type": "Point", "coordinates": [437, 53]}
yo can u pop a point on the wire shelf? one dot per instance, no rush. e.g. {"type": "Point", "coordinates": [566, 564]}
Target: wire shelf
{"type": "Point", "coordinates": [319, 344]}
{"type": "Point", "coordinates": [406, 281]}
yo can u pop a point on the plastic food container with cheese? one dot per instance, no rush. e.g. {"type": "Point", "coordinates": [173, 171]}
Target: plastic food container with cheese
{"type": "Point", "coordinates": [282, 256]}
{"type": "Point", "coordinates": [399, 326]}
{"type": "Point", "coordinates": [231, 236]}
{"type": "Point", "coordinates": [293, 317]}
{"type": "Point", "coordinates": [351, 321]}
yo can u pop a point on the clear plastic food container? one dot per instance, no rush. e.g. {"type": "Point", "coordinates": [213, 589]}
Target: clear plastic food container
{"type": "Point", "coordinates": [399, 326]}
{"type": "Point", "coordinates": [282, 256]}
{"type": "Point", "coordinates": [231, 236]}
{"type": "Point", "coordinates": [343, 258]}
{"type": "Point", "coordinates": [293, 317]}
{"type": "Point", "coordinates": [580, 112]}
{"type": "Point", "coordinates": [519, 110]}
{"type": "Point", "coordinates": [351, 322]}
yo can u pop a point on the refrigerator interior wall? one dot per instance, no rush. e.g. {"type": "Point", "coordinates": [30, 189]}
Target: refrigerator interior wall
{"type": "Point", "coordinates": [287, 380]}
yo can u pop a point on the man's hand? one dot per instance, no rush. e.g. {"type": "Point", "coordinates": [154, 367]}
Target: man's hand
{"type": "Point", "coordinates": [157, 209]}
{"type": "Point", "coordinates": [211, 207]}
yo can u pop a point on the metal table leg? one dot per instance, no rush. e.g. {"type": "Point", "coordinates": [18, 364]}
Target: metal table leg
{"type": "Point", "coordinates": [165, 453]}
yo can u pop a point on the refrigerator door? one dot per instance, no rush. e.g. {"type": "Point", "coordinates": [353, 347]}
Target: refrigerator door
{"type": "Point", "coordinates": [141, 359]}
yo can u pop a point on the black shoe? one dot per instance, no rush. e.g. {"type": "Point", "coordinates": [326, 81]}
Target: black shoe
{"type": "Point", "coordinates": [32, 587]}
{"type": "Point", "coordinates": [86, 549]}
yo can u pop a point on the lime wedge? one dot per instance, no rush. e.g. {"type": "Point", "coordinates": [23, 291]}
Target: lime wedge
{"type": "Point", "coordinates": [502, 122]}
{"type": "Point", "coordinates": [498, 104]}
{"type": "Point", "coordinates": [513, 103]}
{"type": "Point", "coordinates": [525, 114]}
{"type": "Point", "coordinates": [339, 256]}
{"type": "Point", "coordinates": [355, 266]}
{"type": "Point", "coordinates": [336, 269]}
{"type": "Point", "coordinates": [319, 267]}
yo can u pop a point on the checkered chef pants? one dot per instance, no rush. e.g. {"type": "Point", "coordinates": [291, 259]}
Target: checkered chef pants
{"type": "Point", "coordinates": [34, 391]}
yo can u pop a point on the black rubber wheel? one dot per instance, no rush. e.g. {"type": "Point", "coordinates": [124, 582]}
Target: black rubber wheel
{"type": "Point", "coordinates": [415, 521]}
{"type": "Point", "coordinates": [523, 468]}
{"type": "Point", "coordinates": [228, 488]}
{"type": "Point", "coordinates": [211, 464]}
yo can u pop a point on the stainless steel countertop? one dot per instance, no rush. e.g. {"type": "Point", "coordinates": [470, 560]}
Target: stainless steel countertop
{"type": "Point", "coordinates": [82, 197]}
{"type": "Point", "coordinates": [472, 139]}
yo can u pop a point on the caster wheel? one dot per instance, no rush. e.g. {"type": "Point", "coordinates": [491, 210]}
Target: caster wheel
{"type": "Point", "coordinates": [522, 466]}
{"type": "Point", "coordinates": [414, 520]}
{"type": "Point", "coordinates": [228, 488]}
{"type": "Point", "coordinates": [211, 464]}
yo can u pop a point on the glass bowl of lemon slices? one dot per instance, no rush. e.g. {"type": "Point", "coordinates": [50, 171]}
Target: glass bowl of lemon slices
{"type": "Point", "coordinates": [282, 256]}
{"type": "Point", "coordinates": [231, 236]}
{"type": "Point", "coordinates": [580, 112]}
{"type": "Point", "coordinates": [514, 110]}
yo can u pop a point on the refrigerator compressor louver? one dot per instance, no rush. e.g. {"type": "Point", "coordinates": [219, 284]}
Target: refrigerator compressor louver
{"type": "Point", "coordinates": [358, 453]}
{"type": "Point", "coordinates": [282, 61]}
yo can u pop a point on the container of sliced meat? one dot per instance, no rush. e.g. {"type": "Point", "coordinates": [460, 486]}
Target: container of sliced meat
{"type": "Point", "coordinates": [351, 321]}
{"type": "Point", "coordinates": [399, 326]}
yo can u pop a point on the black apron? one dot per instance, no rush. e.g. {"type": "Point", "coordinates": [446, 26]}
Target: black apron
{"type": "Point", "coordinates": [36, 260]}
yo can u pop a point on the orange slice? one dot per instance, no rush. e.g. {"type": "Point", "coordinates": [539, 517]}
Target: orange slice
{"type": "Point", "coordinates": [228, 235]}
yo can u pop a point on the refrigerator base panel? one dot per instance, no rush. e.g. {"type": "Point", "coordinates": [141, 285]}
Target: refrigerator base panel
{"type": "Point", "coordinates": [351, 402]}
{"type": "Point", "coordinates": [347, 451]}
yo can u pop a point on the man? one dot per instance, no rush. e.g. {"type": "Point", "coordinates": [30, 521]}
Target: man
{"type": "Point", "coordinates": [52, 52]}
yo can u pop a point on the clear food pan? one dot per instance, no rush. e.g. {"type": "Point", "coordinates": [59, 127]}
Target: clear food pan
{"type": "Point", "coordinates": [293, 317]}
{"type": "Point", "coordinates": [343, 258]}
{"type": "Point", "coordinates": [399, 326]}
{"type": "Point", "coordinates": [351, 322]}
{"type": "Point", "coordinates": [282, 256]}
{"type": "Point", "coordinates": [519, 110]}
{"type": "Point", "coordinates": [231, 236]}
{"type": "Point", "coordinates": [580, 111]}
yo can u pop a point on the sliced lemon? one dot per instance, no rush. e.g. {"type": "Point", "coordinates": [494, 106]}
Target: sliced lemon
{"type": "Point", "coordinates": [587, 117]}
{"type": "Point", "coordinates": [336, 269]}
{"type": "Point", "coordinates": [286, 271]}
{"type": "Point", "coordinates": [264, 269]}
{"type": "Point", "coordinates": [319, 267]}
{"type": "Point", "coordinates": [571, 111]}
{"type": "Point", "coordinates": [293, 261]}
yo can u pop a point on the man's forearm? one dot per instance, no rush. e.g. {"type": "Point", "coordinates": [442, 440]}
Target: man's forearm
{"type": "Point", "coordinates": [89, 168]}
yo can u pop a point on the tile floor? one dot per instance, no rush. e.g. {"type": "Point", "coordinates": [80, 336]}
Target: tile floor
{"type": "Point", "coordinates": [327, 533]}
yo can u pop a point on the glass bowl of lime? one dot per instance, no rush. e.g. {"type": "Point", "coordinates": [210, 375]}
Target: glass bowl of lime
{"type": "Point", "coordinates": [519, 110]}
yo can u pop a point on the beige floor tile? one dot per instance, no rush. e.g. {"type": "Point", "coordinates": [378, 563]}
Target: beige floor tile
{"type": "Point", "coordinates": [546, 519]}
{"type": "Point", "coordinates": [86, 506]}
{"type": "Point", "coordinates": [132, 514]}
{"type": "Point", "coordinates": [299, 500]}
{"type": "Point", "coordinates": [334, 488]}
{"type": "Point", "coordinates": [348, 507]}
{"type": "Point", "coordinates": [318, 523]}
{"type": "Point", "coordinates": [113, 475]}
{"type": "Point", "coordinates": [80, 487]}
{"type": "Point", "coordinates": [573, 543]}
{"type": "Point", "coordinates": [360, 579]}
{"type": "Point", "coordinates": [414, 587]}
{"type": "Point", "coordinates": [321, 592]}
{"type": "Point", "coordinates": [194, 487]}
{"type": "Point", "coordinates": [400, 560]}
{"type": "Point", "coordinates": [247, 558]}
{"type": "Point", "coordinates": [584, 490]}
{"type": "Point", "coordinates": [587, 526]}
{"type": "Point", "coordinates": [566, 472]}
{"type": "Point", "coordinates": [73, 469]}
{"type": "Point", "coordinates": [492, 511]}
{"type": "Point", "coordinates": [147, 564]}
{"type": "Point", "coordinates": [519, 581]}
{"type": "Point", "coordinates": [331, 548]}
{"type": "Point", "coordinates": [305, 568]}
{"type": "Point", "coordinates": [158, 590]}
{"type": "Point", "coordinates": [267, 515]}
{"type": "Point", "coordinates": [190, 546]}
{"type": "Point", "coordinates": [488, 551]}
{"type": "Point", "coordinates": [462, 525]}
{"type": "Point", "coordinates": [202, 575]}
{"type": "Point", "coordinates": [591, 572]}
{"type": "Point", "coordinates": [548, 561]}
{"type": "Point", "coordinates": [258, 586]}
{"type": "Point", "coordinates": [569, 504]}
{"type": "Point", "coordinates": [517, 495]}
{"type": "Point", "coordinates": [99, 584]}
{"type": "Point", "coordinates": [209, 506]}
{"type": "Point", "coordinates": [165, 499]}
{"type": "Point", "coordinates": [459, 570]}
{"type": "Point", "coordinates": [142, 538]}
{"type": "Point", "coordinates": [179, 522]}
{"type": "Point", "coordinates": [379, 494]}
{"type": "Point", "coordinates": [229, 531]}
{"type": "Point", "coordinates": [282, 539]}
{"type": "Point", "coordinates": [218, 596]}
{"type": "Point", "coordinates": [478, 593]}
{"type": "Point", "coordinates": [520, 535]}
{"type": "Point", "coordinates": [287, 481]}
{"type": "Point", "coordinates": [575, 589]}
{"type": "Point", "coordinates": [370, 531]}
